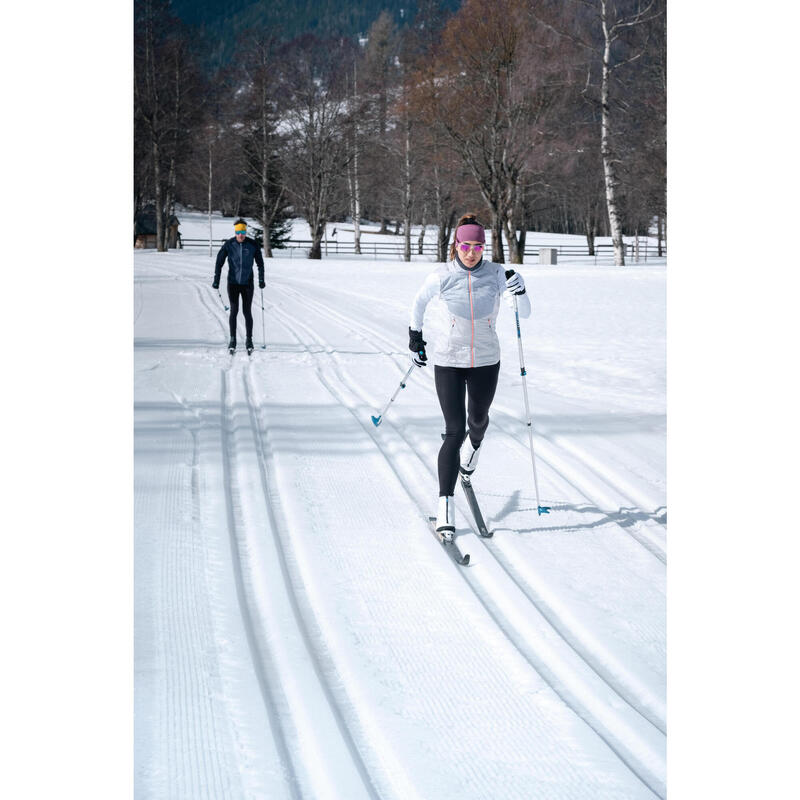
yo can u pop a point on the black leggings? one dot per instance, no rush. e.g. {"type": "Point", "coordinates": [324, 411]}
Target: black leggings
{"type": "Point", "coordinates": [479, 383]}
{"type": "Point", "coordinates": [246, 291]}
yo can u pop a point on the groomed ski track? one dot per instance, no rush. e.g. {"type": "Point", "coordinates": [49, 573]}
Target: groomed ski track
{"type": "Point", "coordinates": [342, 653]}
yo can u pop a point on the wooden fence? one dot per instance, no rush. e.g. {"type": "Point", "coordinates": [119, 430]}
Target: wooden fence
{"type": "Point", "coordinates": [603, 253]}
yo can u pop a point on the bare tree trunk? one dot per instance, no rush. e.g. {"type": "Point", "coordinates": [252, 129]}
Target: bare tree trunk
{"type": "Point", "coordinates": [210, 176]}
{"type": "Point", "coordinates": [441, 246]}
{"type": "Point", "coordinates": [316, 240]}
{"type": "Point", "coordinates": [407, 194]}
{"type": "Point", "coordinates": [660, 250]}
{"type": "Point", "coordinates": [351, 186]}
{"type": "Point", "coordinates": [442, 233]}
{"type": "Point", "coordinates": [355, 193]}
{"type": "Point", "coordinates": [442, 241]}
{"type": "Point", "coordinates": [421, 238]}
{"type": "Point", "coordinates": [356, 206]}
{"type": "Point", "coordinates": [158, 198]}
{"type": "Point", "coordinates": [169, 203]}
{"type": "Point", "coordinates": [266, 224]}
{"type": "Point", "coordinates": [498, 254]}
{"type": "Point", "coordinates": [609, 164]}
{"type": "Point", "coordinates": [514, 253]}
{"type": "Point", "coordinates": [513, 245]}
{"type": "Point", "coordinates": [267, 214]}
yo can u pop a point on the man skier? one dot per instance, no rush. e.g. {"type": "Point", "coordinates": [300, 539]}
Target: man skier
{"type": "Point", "coordinates": [240, 251]}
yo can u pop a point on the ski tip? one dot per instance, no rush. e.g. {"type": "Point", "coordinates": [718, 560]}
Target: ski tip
{"type": "Point", "coordinates": [543, 510]}
{"type": "Point", "coordinates": [465, 560]}
{"type": "Point", "coordinates": [376, 421]}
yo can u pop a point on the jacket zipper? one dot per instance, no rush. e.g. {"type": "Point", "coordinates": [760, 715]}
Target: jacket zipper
{"type": "Point", "coordinates": [472, 321]}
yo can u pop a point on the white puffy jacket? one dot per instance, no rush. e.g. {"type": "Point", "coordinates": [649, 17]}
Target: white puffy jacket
{"type": "Point", "coordinates": [470, 300]}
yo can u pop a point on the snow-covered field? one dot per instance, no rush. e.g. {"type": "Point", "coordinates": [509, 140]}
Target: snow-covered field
{"type": "Point", "coordinates": [299, 630]}
{"type": "Point", "coordinates": [194, 226]}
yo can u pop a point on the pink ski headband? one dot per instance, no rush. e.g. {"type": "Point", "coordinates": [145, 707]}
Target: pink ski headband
{"type": "Point", "coordinates": [470, 233]}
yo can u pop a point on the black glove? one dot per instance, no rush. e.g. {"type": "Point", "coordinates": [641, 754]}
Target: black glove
{"type": "Point", "coordinates": [416, 344]}
{"type": "Point", "coordinates": [215, 285]}
{"type": "Point", "coordinates": [261, 284]}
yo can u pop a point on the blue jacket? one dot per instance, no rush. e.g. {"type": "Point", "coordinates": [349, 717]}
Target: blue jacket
{"type": "Point", "coordinates": [240, 261]}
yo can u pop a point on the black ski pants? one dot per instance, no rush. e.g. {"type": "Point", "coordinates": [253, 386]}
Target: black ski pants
{"type": "Point", "coordinates": [452, 383]}
{"type": "Point", "coordinates": [245, 291]}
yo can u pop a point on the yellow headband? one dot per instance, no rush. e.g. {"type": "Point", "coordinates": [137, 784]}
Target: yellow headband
{"type": "Point", "coordinates": [240, 227]}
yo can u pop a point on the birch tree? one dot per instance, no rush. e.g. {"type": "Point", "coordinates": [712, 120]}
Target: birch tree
{"type": "Point", "coordinates": [354, 146]}
{"type": "Point", "coordinates": [614, 34]}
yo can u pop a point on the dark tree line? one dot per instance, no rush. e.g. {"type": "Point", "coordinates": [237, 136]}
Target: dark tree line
{"type": "Point", "coordinates": [537, 114]}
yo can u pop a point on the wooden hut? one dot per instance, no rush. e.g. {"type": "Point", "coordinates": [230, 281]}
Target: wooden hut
{"type": "Point", "coordinates": [144, 229]}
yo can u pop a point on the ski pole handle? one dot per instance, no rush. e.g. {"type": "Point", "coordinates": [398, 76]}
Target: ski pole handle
{"type": "Point", "coordinates": [509, 273]}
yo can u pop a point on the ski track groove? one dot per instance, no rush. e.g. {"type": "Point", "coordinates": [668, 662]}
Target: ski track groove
{"type": "Point", "coordinates": [202, 293]}
{"type": "Point", "coordinates": [618, 685]}
{"type": "Point", "coordinates": [589, 490]}
{"type": "Point", "coordinates": [443, 710]}
{"type": "Point", "coordinates": [487, 601]}
{"type": "Point", "coordinates": [260, 666]}
{"type": "Point", "coordinates": [186, 627]}
{"type": "Point", "coordinates": [277, 518]}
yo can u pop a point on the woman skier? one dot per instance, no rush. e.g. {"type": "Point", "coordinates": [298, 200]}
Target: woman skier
{"type": "Point", "coordinates": [467, 359]}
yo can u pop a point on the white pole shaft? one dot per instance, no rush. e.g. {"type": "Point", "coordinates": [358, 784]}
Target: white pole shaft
{"type": "Point", "coordinates": [263, 327]}
{"type": "Point", "coordinates": [397, 390]}
{"type": "Point", "coordinates": [527, 405]}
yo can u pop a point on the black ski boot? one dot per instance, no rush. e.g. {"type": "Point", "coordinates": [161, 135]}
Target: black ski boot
{"type": "Point", "coordinates": [232, 345]}
{"type": "Point", "coordinates": [249, 345]}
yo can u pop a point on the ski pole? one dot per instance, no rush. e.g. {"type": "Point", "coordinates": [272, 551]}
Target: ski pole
{"type": "Point", "coordinates": [221, 300]}
{"type": "Point", "coordinates": [540, 509]}
{"type": "Point", "coordinates": [263, 328]}
{"type": "Point", "coordinates": [377, 420]}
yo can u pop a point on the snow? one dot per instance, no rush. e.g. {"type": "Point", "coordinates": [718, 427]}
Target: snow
{"type": "Point", "coordinates": [300, 631]}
